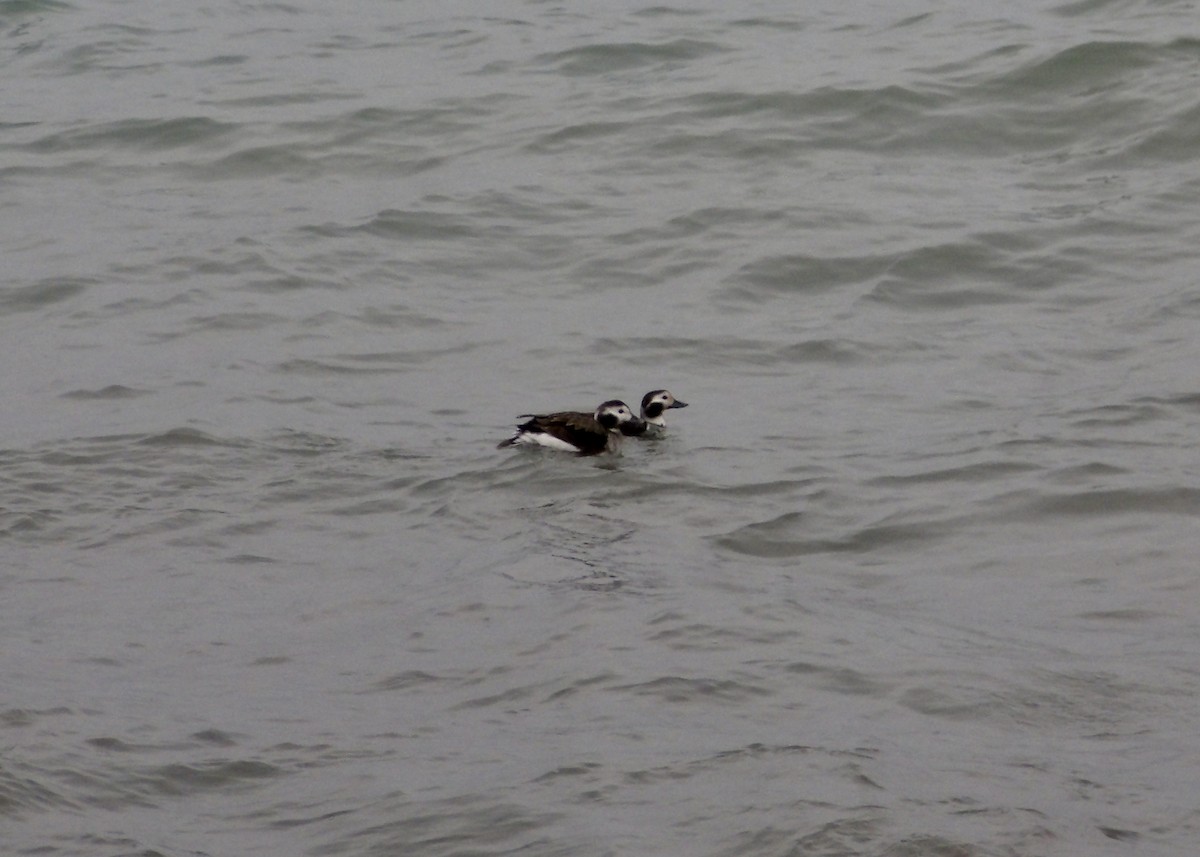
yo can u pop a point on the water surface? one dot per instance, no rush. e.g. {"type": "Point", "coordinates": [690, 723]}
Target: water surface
{"type": "Point", "coordinates": [914, 574]}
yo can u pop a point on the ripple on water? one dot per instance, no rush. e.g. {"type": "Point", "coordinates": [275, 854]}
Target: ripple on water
{"type": "Point", "coordinates": [617, 57]}
{"type": "Point", "coordinates": [42, 294]}
{"type": "Point", "coordinates": [783, 537]}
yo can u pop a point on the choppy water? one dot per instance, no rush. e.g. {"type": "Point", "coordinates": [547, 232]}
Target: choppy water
{"type": "Point", "coordinates": [915, 574]}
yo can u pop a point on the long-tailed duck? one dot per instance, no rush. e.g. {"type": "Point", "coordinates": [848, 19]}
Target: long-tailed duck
{"type": "Point", "coordinates": [653, 405]}
{"type": "Point", "coordinates": [576, 431]}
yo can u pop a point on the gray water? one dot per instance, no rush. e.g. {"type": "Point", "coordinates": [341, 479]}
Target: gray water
{"type": "Point", "coordinates": [914, 574]}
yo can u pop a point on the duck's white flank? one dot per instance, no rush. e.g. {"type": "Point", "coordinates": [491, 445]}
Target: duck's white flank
{"type": "Point", "coordinates": [543, 439]}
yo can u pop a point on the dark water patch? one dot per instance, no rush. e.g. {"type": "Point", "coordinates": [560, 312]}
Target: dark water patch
{"type": "Point", "coordinates": [954, 276]}
{"type": "Point", "coordinates": [1183, 306]}
{"type": "Point", "coordinates": [568, 771]}
{"type": "Point", "coordinates": [1100, 103]}
{"type": "Point", "coordinates": [227, 264]}
{"type": "Point", "coordinates": [958, 703]}
{"type": "Point", "coordinates": [415, 224]}
{"type": "Point", "coordinates": [932, 846]}
{"type": "Point", "coordinates": [117, 488]}
{"type": "Point", "coordinates": [326, 367]}
{"type": "Point", "coordinates": [305, 443]}
{"type": "Point", "coordinates": [817, 106]}
{"type": "Point", "coordinates": [664, 11]}
{"type": "Point", "coordinates": [843, 837]}
{"type": "Point", "coordinates": [632, 272]}
{"type": "Point", "coordinates": [562, 138]}
{"type": "Point", "coordinates": [615, 57]}
{"type": "Point", "coordinates": [677, 689]}
{"type": "Point", "coordinates": [782, 537]}
{"type": "Point", "coordinates": [248, 558]}
{"type": "Point", "coordinates": [842, 680]}
{"type": "Point", "coordinates": [380, 506]}
{"type": "Point", "coordinates": [1130, 615]}
{"type": "Point", "coordinates": [273, 161]}
{"type": "Point", "coordinates": [116, 788]}
{"type": "Point", "coordinates": [1081, 69]}
{"type": "Point", "coordinates": [1112, 416]}
{"type": "Point", "coordinates": [793, 127]}
{"type": "Point", "coordinates": [18, 8]}
{"type": "Point", "coordinates": [396, 318]}
{"type": "Point", "coordinates": [770, 24]}
{"type": "Point", "coordinates": [175, 525]}
{"type": "Point", "coordinates": [759, 757]}
{"type": "Point", "coordinates": [249, 320]}
{"type": "Point", "coordinates": [288, 823]}
{"type": "Point", "coordinates": [140, 134]}
{"type": "Point", "coordinates": [41, 294]}
{"type": "Point", "coordinates": [284, 98]}
{"type": "Point", "coordinates": [984, 269]}
{"type": "Point", "coordinates": [968, 473]}
{"type": "Point", "coordinates": [189, 437]}
{"type": "Point", "coordinates": [578, 685]}
{"type": "Point", "coordinates": [1117, 502]}
{"type": "Point", "coordinates": [519, 696]}
{"type": "Point", "coordinates": [26, 523]}
{"type": "Point", "coordinates": [561, 569]}
{"type": "Point", "coordinates": [27, 789]}
{"type": "Point", "coordinates": [119, 745]}
{"type": "Point", "coordinates": [765, 146]}
{"type": "Point", "coordinates": [215, 737]}
{"type": "Point", "coordinates": [404, 681]}
{"type": "Point", "coordinates": [724, 221]}
{"type": "Point", "coordinates": [684, 492]}
{"type": "Point", "coordinates": [218, 61]}
{"type": "Point", "coordinates": [178, 780]}
{"type": "Point", "coordinates": [960, 277]}
{"type": "Point", "coordinates": [638, 350]}
{"type": "Point", "coordinates": [22, 717]}
{"type": "Point", "coordinates": [701, 636]}
{"type": "Point", "coordinates": [1173, 141]}
{"type": "Point", "coordinates": [375, 363]}
{"type": "Point", "coordinates": [1092, 473]}
{"type": "Point", "coordinates": [1120, 835]}
{"type": "Point", "coordinates": [434, 123]}
{"type": "Point", "coordinates": [799, 274]}
{"type": "Point", "coordinates": [750, 356]}
{"type": "Point", "coordinates": [467, 825]}
{"type": "Point", "coordinates": [1185, 401]}
{"type": "Point", "coordinates": [313, 485]}
{"type": "Point", "coordinates": [114, 56]}
{"type": "Point", "coordinates": [1082, 8]}
{"type": "Point", "coordinates": [837, 352]}
{"type": "Point", "coordinates": [1080, 699]}
{"type": "Point", "coordinates": [600, 581]}
{"type": "Point", "coordinates": [117, 846]}
{"type": "Point", "coordinates": [334, 481]}
{"type": "Point", "coordinates": [100, 661]}
{"type": "Point", "coordinates": [111, 392]}
{"type": "Point", "coordinates": [525, 207]}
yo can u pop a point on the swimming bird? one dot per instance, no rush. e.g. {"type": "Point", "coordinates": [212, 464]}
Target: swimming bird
{"type": "Point", "coordinates": [576, 431]}
{"type": "Point", "coordinates": [653, 405]}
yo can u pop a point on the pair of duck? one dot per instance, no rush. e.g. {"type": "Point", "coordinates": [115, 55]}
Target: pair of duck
{"type": "Point", "coordinates": [601, 431]}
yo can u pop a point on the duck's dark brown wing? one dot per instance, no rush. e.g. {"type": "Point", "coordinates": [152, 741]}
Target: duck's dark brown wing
{"type": "Point", "coordinates": [574, 427]}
